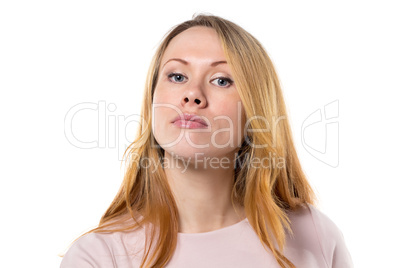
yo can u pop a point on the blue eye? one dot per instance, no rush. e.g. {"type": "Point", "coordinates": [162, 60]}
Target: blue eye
{"type": "Point", "coordinates": [176, 77]}
{"type": "Point", "coordinates": [223, 82]}
{"type": "Point", "coordinates": [219, 81]}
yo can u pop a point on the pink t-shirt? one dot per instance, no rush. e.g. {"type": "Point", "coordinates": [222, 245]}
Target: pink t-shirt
{"type": "Point", "coordinates": [317, 242]}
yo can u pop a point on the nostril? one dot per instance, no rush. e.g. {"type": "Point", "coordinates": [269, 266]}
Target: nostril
{"type": "Point", "coordinates": [197, 101]}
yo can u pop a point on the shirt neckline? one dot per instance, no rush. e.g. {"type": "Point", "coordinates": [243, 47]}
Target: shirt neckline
{"type": "Point", "coordinates": [214, 231]}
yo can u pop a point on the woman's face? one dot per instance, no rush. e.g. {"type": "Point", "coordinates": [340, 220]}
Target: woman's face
{"type": "Point", "coordinates": [195, 80]}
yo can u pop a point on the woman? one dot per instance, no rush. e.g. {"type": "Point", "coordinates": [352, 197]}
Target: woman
{"type": "Point", "coordinates": [213, 178]}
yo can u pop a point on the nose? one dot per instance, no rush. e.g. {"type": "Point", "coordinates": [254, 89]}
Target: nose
{"type": "Point", "coordinates": [194, 98]}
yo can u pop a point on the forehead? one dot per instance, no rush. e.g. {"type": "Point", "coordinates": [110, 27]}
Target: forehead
{"type": "Point", "coordinates": [195, 43]}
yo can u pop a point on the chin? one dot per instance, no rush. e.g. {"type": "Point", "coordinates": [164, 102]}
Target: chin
{"type": "Point", "coordinates": [192, 154]}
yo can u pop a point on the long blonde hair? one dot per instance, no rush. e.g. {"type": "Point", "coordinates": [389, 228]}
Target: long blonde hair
{"type": "Point", "coordinates": [267, 194]}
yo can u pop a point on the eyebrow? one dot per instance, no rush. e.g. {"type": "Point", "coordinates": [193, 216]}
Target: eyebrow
{"type": "Point", "coordinates": [213, 64]}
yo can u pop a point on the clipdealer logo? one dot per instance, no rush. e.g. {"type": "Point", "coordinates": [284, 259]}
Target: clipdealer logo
{"type": "Point", "coordinates": [320, 134]}
{"type": "Point", "coordinates": [319, 131]}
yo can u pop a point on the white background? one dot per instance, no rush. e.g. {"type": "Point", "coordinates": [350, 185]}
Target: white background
{"type": "Point", "coordinates": [57, 54]}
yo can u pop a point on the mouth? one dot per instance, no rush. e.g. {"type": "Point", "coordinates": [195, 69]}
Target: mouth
{"type": "Point", "coordinates": [189, 121]}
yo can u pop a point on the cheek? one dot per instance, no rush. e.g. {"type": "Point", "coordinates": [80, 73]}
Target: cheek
{"type": "Point", "coordinates": [234, 113]}
{"type": "Point", "coordinates": [158, 96]}
{"type": "Point", "coordinates": [158, 112]}
{"type": "Point", "coordinates": [230, 123]}
{"type": "Point", "coordinates": [163, 102]}
{"type": "Point", "coordinates": [164, 110]}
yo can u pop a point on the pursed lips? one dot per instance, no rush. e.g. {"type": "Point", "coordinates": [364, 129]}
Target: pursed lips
{"type": "Point", "coordinates": [190, 121]}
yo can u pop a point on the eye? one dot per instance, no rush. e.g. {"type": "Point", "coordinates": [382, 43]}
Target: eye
{"type": "Point", "coordinates": [222, 82]}
{"type": "Point", "coordinates": [176, 77]}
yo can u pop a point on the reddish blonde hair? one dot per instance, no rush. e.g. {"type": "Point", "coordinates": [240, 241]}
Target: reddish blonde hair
{"type": "Point", "coordinates": [267, 194]}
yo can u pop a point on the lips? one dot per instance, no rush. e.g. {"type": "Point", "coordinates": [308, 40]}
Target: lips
{"type": "Point", "coordinates": [190, 121]}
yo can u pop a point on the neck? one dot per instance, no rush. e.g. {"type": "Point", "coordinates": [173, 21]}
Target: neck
{"type": "Point", "coordinates": [203, 194]}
